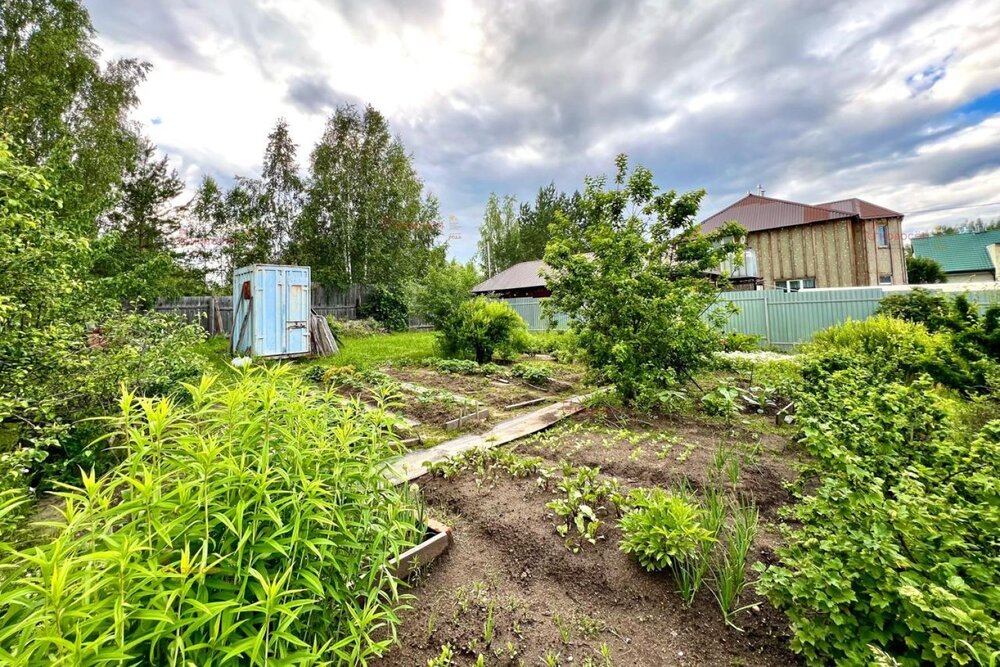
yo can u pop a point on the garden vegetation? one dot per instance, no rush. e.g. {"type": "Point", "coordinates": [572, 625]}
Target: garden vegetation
{"type": "Point", "coordinates": [895, 550]}
{"type": "Point", "coordinates": [250, 524]}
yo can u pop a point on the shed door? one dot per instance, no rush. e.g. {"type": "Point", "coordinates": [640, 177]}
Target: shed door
{"type": "Point", "coordinates": [296, 311]}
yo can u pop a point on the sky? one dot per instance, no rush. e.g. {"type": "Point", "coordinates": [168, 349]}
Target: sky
{"type": "Point", "coordinates": [897, 103]}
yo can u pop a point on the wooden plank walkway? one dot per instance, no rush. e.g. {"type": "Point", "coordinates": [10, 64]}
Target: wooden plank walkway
{"type": "Point", "coordinates": [412, 465]}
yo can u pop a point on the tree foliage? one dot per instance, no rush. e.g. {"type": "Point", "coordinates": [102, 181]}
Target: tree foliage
{"type": "Point", "coordinates": [499, 235]}
{"type": "Point", "coordinates": [634, 283]}
{"type": "Point", "coordinates": [365, 217]}
{"type": "Point", "coordinates": [65, 349]}
{"type": "Point", "coordinates": [135, 254]}
{"type": "Point", "coordinates": [507, 238]}
{"type": "Point", "coordinates": [61, 108]}
{"type": "Point", "coordinates": [438, 294]}
{"type": "Point", "coordinates": [924, 271]}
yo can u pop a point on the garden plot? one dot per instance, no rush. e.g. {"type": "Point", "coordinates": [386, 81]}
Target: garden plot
{"type": "Point", "coordinates": [514, 588]}
{"type": "Point", "coordinates": [459, 396]}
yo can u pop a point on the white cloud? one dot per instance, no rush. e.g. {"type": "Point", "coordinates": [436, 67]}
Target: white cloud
{"type": "Point", "coordinates": [814, 100]}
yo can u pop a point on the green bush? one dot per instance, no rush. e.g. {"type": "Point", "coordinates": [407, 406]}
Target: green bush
{"type": "Point", "coordinates": [975, 336]}
{"type": "Point", "coordinates": [662, 529]}
{"type": "Point", "coordinates": [387, 306]}
{"type": "Point", "coordinates": [723, 401]}
{"type": "Point", "coordinates": [892, 349]}
{"type": "Point", "coordinates": [735, 341]}
{"type": "Point", "coordinates": [933, 309]}
{"type": "Point", "coordinates": [438, 294]}
{"type": "Point", "coordinates": [456, 366]}
{"type": "Point", "coordinates": [483, 327]}
{"type": "Point", "coordinates": [250, 525]}
{"type": "Point", "coordinates": [896, 548]}
{"type": "Point", "coordinates": [532, 373]}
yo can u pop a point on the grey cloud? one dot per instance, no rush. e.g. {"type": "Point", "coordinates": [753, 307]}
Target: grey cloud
{"type": "Point", "coordinates": [572, 75]}
{"type": "Point", "coordinates": [173, 28]}
{"type": "Point", "coordinates": [142, 22]}
{"type": "Point", "coordinates": [311, 93]}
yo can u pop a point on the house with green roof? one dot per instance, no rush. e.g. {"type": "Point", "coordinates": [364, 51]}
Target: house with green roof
{"type": "Point", "coordinates": [965, 258]}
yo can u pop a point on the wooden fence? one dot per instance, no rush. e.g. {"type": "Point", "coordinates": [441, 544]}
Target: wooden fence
{"type": "Point", "coordinates": [785, 319]}
{"type": "Point", "coordinates": [215, 313]}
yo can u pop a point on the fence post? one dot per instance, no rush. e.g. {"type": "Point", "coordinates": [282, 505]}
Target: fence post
{"type": "Point", "coordinates": [767, 319]}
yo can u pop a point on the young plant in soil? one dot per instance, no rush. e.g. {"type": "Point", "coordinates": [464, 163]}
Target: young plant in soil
{"type": "Point", "coordinates": [690, 570]}
{"type": "Point", "coordinates": [670, 530]}
{"type": "Point", "coordinates": [729, 570]}
{"type": "Point", "coordinates": [584, 495]}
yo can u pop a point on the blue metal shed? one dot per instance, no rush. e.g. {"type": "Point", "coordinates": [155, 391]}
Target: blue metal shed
{"type": "Point", "coordinates": [271, 306]}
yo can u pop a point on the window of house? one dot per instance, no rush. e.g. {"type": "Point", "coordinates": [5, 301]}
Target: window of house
{"type": "Point", "coordinates": [795, 284]}
{"type": "Point", "coordinates": [883, 236]}
{"type": "Point", "coordinates": [885, 279]}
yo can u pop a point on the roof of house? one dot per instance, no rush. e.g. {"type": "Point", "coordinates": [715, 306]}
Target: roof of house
{"type": "Point", "coordinates": [958, 252]}
{"type": "Point", "coordinates": [519, 276]}
{"type": "Point", "coordinates": [863, 209]}
{"type": "Point", "coordinates": [756, 214]}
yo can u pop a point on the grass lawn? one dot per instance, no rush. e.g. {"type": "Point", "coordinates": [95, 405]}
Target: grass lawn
{"type": "Point", "coordinates": [216, 350]}
{"type": "Point", "coordinates": [362, 352]}
{"type": "Point", "coordinates": [372, 351]}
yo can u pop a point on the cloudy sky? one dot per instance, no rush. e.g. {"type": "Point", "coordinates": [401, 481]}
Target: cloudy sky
{"type": "Point", "coordinates": [894, 102]}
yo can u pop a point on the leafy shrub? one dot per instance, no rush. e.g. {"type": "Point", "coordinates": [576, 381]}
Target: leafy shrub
{"type": "Point", "coordinates": [633, 283]}
{"type": "Point", "coordinates": [315, 373]}
{"type": "Point", "coordinates": [149, 354]}
{"type": "Point", "coordinates": [445, 286]}
{"type": "Point", "coordinates": [532, 373]}
{"type": "Point", "coordinates": [253, 526]}
{"type": "Point", "coordinates": [735, 341]}
{"type": "Point", "coordinates": [482, 327]}
{"type": "Point", "coordinates": [893, 349]}
{"type": "Point", "coordinates": [456, 366]}
{"type": "Point", "coordinates": [355, 328]}
{"type": "Point", "coordinates": [662, 529]}
{"type": "Point", "coordinates": [933, 309]}
{"type": "Point", "coordinates": [896, 547]}
{"type": "Point", "coordinates": [974, 336]}
{"type": "Point", "coordinates": [387, 306]}
{"type": "Point", "coordinates": [723, 401]}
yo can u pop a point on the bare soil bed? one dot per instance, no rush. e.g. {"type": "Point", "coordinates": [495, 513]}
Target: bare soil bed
{"type": "Point", "coordinates": [547, 601]}
{"type": "Point", "coordinates": [493, 394]}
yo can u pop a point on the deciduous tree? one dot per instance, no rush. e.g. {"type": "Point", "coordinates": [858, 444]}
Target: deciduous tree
{"type": "Point", "coordinates": [636, 284]}
{"type": "Point", "coordinates": [924, 271]}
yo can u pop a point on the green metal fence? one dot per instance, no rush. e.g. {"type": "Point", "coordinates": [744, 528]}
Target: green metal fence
{"type": "Point", "coordinates": [530, 309]}
{"type": "Point", "coordinates": [784, 319]}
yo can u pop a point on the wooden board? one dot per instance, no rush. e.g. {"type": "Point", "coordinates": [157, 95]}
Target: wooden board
{"type": "Point", "coordinates": [413, 465]}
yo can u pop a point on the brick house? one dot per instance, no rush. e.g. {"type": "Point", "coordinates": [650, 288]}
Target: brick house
{"type": "Point", "coordinates": [792, 246]}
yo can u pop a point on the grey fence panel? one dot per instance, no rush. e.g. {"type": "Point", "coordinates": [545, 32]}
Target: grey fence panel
{"type": "Point", "coordinates": [214, 314]}
{"type": "Point", "coordinates": [207, 311]}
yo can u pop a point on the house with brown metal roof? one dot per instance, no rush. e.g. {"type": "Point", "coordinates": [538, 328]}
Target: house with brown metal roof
{"type": "Point", "coordinates": [845, 243]}
{"type": "Point", "coordinates": [520, 280]}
